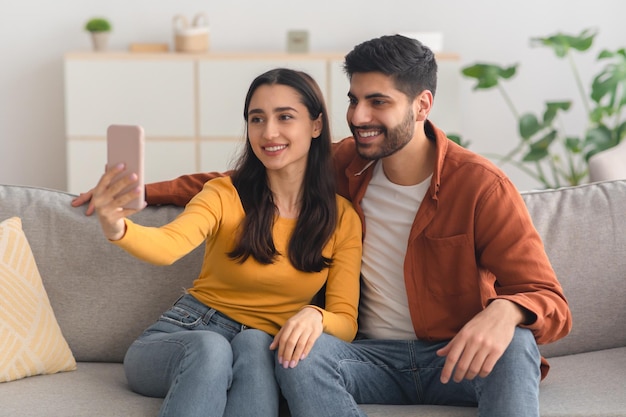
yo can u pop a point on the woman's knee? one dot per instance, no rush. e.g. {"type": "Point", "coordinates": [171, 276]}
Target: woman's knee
{"type": "Point", "coordinates": [178, 352]}
{"type": "Point", "coordinates": [252, 340]}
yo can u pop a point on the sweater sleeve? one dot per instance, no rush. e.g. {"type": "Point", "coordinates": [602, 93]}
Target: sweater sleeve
{"type": "Point", "coordinates": [166, 244]}
{"type": "Point", "coordinates": [342, 286]}
{"type": "Point", "coordinates": [511, 248]}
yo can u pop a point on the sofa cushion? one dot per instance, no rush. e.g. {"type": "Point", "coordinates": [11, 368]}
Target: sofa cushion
{"type": "Point", "coordinates": [94, 389]}
{"type": "Point", "coordinates": [584, 231]}
{"type": "Point", "coordinates": [582, 385]}
{"type": "Point", "coordinates": [31, 342]}
{"type": "Point", "coordinates": [588, 384]}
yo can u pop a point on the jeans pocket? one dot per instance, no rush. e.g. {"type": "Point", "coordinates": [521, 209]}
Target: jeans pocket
{"type": "Point", "coordinates": [182, 316]}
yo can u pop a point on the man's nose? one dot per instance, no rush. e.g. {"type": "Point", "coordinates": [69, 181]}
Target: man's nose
{"type": "Point", "coordinates": [358, 114]}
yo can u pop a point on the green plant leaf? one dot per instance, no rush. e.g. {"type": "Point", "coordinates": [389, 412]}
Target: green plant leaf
{"type": "Point", "coordinates": [573, 144]}
{"type": "Point", "coordinates": [458, 139]}
{"type": "Point", "coordinates": [539, 149]}
{"type": "Point", "coordinates": [598, 113]}
{"type": "Point", "coordinates": [611, 81]}
{"type": "Point", "coordinates": [488, 75]}
{"type": "Point", "coordinates": [620, 132]}
{"type": "Point", "coordinates": [598, 139]}
{"type": "Point", "coordinates": [535, 155]}
{"type": "Point", "coordinates": [528, 125]}
{"type": "Point", "coordinates": [552, 108]}
{"type": "Point", "coordinates": [561, 43]}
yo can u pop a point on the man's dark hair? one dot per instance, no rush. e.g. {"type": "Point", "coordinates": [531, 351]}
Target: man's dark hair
{"type": "Point", "coordinates": [410, 64]}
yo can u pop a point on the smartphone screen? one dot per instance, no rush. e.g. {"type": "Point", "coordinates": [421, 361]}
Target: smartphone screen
{"type": "Point", "coordinates": [125, 144]}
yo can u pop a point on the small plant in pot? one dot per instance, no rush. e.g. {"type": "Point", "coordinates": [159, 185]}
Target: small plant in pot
{"type": "Point", "coordinates": [99, 29]}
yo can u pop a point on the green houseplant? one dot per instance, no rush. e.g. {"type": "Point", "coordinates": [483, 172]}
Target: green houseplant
{"type": "Point", "coordinates": [98, 24]}
{"type": "Point", "coordinates": [545, 151]}
{"type": "Point", "coordinates": [99, 28]}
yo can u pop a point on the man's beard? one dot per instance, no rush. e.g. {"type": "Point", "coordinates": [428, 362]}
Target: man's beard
{"type": "Point", "coordinates": [394, 139]}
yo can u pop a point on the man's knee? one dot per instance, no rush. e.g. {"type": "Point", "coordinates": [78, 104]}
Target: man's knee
{"type": "Point", "coordinates": [522, 352]}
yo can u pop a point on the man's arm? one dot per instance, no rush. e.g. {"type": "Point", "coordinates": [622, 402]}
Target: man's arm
{"type": "Point", "coordinates": [180, 190]}
{"type": "Point", "coordinates": [177, 191]}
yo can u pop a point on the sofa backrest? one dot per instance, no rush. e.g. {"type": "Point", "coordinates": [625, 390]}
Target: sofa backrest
{"type": "Point", "coordinates": [584, 232]}
{"type": "Point", "coordinates": [103, 298]}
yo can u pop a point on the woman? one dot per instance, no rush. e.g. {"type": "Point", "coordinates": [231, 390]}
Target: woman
{"type": "Point", "coordinates": [275, 234]}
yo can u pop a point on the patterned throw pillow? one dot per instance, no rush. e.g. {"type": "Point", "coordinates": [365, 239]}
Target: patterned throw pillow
{"type": "Point", "coordinates": [31, 342]}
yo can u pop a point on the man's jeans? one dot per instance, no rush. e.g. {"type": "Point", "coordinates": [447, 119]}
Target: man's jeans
{"type": "Point", "coordinates": [336, 376]}
{"type": "Point", "coordinates": [204, 364]}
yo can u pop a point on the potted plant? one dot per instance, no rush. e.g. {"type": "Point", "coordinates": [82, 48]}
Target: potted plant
{"type": "Point", "coordinates": [545, 151]}
{"type": "Point", "coordinates": [99, 29]}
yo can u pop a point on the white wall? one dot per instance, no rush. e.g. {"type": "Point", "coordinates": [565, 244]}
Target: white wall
{"type": "Point", "coordinates": [34, 35]}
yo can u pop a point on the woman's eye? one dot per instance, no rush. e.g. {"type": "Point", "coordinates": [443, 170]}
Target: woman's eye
{"type": "Point", "coordinates": [286, 117]}
{"type": "Point", "coordinates": [255, 120]}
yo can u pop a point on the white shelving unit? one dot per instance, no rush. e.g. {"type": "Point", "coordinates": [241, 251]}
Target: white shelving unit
{"type": "Point", "coordinates": [191, 105]}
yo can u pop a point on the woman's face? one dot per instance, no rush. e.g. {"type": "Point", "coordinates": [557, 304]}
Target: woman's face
{"type": "Point", "coordinates": [280, 129]}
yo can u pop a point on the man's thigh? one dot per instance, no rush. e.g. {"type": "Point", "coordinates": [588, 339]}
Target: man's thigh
{"type": "Point", "coordinates": [400, 372]}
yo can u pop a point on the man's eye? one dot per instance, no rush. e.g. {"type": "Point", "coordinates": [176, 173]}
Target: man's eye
{"type": "Point", "coordinates": [352, 101]}
{"type": "Point", "coordinates": [379, 102]}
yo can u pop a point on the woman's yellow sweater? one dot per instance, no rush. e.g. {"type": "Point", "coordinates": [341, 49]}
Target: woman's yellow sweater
{"type": "Point", "coordinates": [259, 296]}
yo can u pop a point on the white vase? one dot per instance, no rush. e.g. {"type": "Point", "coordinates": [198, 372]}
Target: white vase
{"type": "Point", "coordinates": [100, 40]}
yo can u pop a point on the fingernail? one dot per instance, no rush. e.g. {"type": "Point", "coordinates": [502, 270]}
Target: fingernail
{"type": "Point", "coordinates": [292, 364]}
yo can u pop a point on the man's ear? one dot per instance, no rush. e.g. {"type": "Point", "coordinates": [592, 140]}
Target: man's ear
{"type": "Point", "coordinates": [422, 105]}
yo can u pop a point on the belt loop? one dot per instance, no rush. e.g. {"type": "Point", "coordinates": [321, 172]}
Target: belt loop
{"type": "Point", "coordinates": [207, 316]}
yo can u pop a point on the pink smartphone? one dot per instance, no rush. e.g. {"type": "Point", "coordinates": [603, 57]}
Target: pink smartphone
{"type": "Point", "coordinates": [125, 144]}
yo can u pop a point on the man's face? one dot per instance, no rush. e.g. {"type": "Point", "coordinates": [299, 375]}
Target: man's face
{"type": "Point", "coordinates": [380, 117]}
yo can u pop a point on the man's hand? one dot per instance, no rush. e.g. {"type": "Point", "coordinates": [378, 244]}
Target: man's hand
{"type": "Point", "coordinates": [475, 350]}
{"type": "Point", "coordinates": [84, 198]}
{"type": "Point", "coordinates": [297, 337]}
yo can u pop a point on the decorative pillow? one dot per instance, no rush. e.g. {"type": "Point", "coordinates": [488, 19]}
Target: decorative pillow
{"type": "Point", "coordinates": [31, 342]}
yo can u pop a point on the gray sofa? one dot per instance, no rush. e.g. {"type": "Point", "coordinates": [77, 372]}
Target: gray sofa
{"type": "Point", "coordinates": [103, 298]}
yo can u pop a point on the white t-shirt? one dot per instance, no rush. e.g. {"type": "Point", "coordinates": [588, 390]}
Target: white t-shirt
{"type": "Point", "coordinates": [389, 213]}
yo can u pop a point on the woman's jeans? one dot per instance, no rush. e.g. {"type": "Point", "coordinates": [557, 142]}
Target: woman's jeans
{"type": "Point", "coordinates": [204, 364]}
{"type": "Point", "coordinates": [336, 376]}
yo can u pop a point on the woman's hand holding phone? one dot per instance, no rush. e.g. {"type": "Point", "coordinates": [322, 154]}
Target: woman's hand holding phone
{"type": "Point", "coordinates": [110, 196]}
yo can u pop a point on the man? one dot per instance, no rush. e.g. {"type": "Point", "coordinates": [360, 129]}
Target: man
{"type": "Point", "coordinates": [457, 290]}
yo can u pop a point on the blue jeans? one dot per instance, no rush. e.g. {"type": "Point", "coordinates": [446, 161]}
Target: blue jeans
{"type": "Point", "coordinates": [204, 364]}
{"type": "Point", "coordinates": [336, 376]}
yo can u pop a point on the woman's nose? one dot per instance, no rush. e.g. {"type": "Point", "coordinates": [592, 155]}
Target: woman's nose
{"type": "Point", "coordinates": [271, 130]}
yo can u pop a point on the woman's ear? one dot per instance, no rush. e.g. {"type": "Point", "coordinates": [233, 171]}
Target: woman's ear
{"type": "Point", "coordinates": [318, 124]}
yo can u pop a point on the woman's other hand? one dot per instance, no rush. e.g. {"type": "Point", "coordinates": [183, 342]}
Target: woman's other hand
{"type": "Point", "coordinates": [297, 337]}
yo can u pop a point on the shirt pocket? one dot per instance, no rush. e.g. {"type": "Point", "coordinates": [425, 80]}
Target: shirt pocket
{"type": "Point", "coordinates": [449, 265]}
